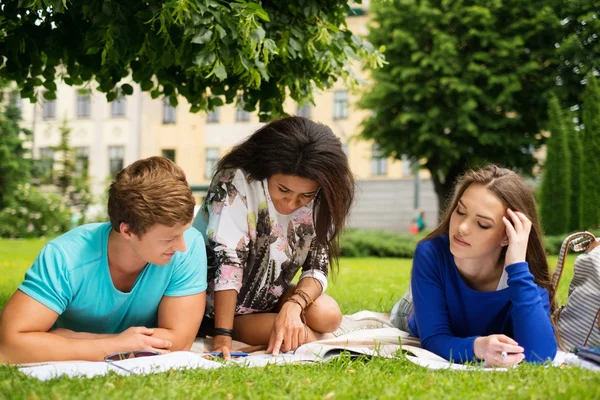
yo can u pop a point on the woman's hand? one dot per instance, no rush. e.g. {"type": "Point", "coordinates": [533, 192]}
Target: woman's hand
{"type": "Point", "coordinates": [498, 350]}
{"type": "Point", "coordinates": [289, 332]}
{"type": "Point", "coordinates": [518, 236]}
{"type": "Point", "coordinates": [222, 344]}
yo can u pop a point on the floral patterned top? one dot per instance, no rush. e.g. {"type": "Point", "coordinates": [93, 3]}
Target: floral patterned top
{"type": "Point", "coordinates": [251, 247]}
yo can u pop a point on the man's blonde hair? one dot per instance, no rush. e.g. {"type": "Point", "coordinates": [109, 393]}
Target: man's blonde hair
{"type": "Point", "coordinates": [148, 192]}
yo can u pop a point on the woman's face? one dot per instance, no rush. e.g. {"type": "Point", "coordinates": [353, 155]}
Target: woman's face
{"type": "Point", "coordinates": [290, 192]}
{"type": "Point", "coordinates": [476, 227]}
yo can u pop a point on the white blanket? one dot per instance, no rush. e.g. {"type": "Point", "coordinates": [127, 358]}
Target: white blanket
{"type": "Point", "coordinates": [382, 342]}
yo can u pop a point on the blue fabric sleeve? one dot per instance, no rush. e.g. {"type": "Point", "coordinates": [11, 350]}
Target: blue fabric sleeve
{"type": "Point", "coordinates": [530, 314]}
{"type": "Point", "coordinates": [189, 275]}
{"type": "Point", "coordinates": [431, 307]}
{"type": "Point", "coordinates": [47, 281]}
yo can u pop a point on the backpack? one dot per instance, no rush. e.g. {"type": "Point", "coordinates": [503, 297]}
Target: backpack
{"type": "Point", "coordinates": [578, 322]}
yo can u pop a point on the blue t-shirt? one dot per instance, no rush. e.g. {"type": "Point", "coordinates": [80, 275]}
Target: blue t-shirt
{"type": "Point", "coordinates": [449, 315]}
{"type": "Point", "coordinates": [71, 277]}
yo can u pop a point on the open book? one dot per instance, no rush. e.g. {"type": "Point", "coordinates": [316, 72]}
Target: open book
{"type": "Point", "coordinates": [133, 366]}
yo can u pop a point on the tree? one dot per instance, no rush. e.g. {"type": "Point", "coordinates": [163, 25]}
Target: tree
{"type": "Point", "coordinates": [590, 188]}
{"type": "Point", "coordinates": [576, 157]}
{"type": "Point", "coordinates": [205, 50]}
{"type": "Point", "coordinates": [72, 182]}
{"type": "Point", "coordinates": [15, 158]}
{"type": "Point", "coordinates": [555, 205]}
{"type": "Point", "coordinates": [579, 49]}
{"type": "Point", "coordinates": [465, 83]}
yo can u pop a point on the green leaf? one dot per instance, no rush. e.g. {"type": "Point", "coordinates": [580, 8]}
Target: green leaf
{"type": "Point", "coordinates": [205, 58]}
{"type": "Point", "coordinates": [258, 10]}
{"type": "Point", "coordinates": [220, 72]}
{"type": "Point", "coordinates": [295, 45]}
{"type": "Point", "coordinates": [127, 89]}
{"type": "Point", "coordinates": [203, 36]}
{"type": "Point", "coordinates": [111, 96]}
{"type": "Point", "coordinates": [49, 95]}
{"type": "Point", "coordinates": [155, 93]}
{"type": "Point", "coordinates": [259, 34]}
{"type": "Point", "coordinates": [92, 50]}
{"type": "Point", "coordinates": [147, 85]}
{"type": "Point", "coordinates": [221, 31]}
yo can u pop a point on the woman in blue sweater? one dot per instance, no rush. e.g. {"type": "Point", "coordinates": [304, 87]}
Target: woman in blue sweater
{"type": "Point", "coordinates": [480, 281]}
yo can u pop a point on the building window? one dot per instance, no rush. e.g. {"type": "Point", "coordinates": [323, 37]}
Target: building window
{"type": "Point", "coordinates": [407, 169]}
{"type": "Point", "coordinates": [240, 114]}
{"type": "Point", "coordinates": [46, 165]}
{"type": "Point", "coordinates": [49, 109]}
{"type": "Point", "coordinates": [84, 105]}
{"type": "Point", "coordinates": [82, 161]}
{"type": "Point", "coordinates": [345, 148]}
{"type": "Point", "coordinates": [116, 159]}
{"type": "Point", "coordinates": [304, 111]}
{"type": "Point", "coordinates": [169, 112]}
{"type": "Point", "coordinates": [212, 157]}
{"type": "Point", "coordinates": [340, 104]}
{"type": "Point", "coordinates": [212, 117]}
{"type": "Point", "coordinates": [118, 105]}
{"type": "Point", "coordinates": [15, 99]}
{"type": "Point", "coordinates": [378, 161]}
{"type": "Point", "coordinates": [169, 153]}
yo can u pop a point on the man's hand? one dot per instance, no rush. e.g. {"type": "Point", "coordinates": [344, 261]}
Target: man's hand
{"type": "Point", "coordinates": [140, 338]}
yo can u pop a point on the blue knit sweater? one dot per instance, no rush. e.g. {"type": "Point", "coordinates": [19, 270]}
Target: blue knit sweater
{"type": "Point", "coordinates": [449, 315]}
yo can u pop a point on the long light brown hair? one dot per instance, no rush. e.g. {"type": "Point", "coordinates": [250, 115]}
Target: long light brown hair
{"type": "Point", "coordinates": [514, 193]}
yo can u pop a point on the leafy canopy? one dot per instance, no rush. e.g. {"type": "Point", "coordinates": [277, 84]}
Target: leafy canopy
{"type": "Point", "coordinates": [205, 50]}
{"type": "Point", "coordinates": [466, 83]}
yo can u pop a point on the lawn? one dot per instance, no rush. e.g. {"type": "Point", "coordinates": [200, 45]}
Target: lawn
{"type": "Point", "coordinates": [365, 283]}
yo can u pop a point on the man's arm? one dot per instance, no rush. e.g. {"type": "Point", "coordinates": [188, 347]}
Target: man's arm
{"type": "Point", "coordinates": [179, 319]}
{"type": "Point", "coordinates": [26, 339]}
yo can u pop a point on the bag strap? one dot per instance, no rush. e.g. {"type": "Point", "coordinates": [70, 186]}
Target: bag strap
{"type": "Point", "coordinates": [577, 242]}
{"type": "Point", "coordinates": [592, 328]}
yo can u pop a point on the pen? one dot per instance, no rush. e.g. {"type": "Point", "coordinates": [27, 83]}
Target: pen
{"type": "Point", "coordinates": [232, 354]}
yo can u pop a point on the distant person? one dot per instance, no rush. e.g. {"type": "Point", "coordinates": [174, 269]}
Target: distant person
{"type": "Point", "coordinates": [480, 281]}
{"type": "Point", "coordinates": [276, 205]}
{"type": "Point", "coordinates": [135, 283]}
{"type": "Point", "coordinates": [420, 221]}
{"type": "Point", "coordinates": [413, 228]}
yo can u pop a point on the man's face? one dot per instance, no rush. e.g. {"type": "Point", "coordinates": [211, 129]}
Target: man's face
{"type": "Point", "coordinates": [158, 245]}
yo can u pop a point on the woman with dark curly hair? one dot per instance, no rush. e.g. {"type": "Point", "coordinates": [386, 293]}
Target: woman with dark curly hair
{"type": "Point", "coordinates": [276, 205]}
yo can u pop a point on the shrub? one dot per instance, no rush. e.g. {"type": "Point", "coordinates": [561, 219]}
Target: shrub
{"type": "Point", "coordinates": [363, 243]}
{"type": "Point", "coordinates": [366, 243]}
{"type": "Point", "coordinates": [32, 213]}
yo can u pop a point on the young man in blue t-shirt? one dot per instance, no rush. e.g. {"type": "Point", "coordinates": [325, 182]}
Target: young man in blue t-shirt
{"type": "Point", "coordinates": [136, 283]}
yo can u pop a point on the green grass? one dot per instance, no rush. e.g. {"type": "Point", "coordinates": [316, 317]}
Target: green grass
{"type": "Point", "coordinates": [362, 283]}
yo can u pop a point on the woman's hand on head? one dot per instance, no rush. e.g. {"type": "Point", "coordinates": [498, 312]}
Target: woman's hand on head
{"type": "Point", "coordinates": [518, 228]}
{"type": "Point", "coordinates": [498, 350]}
{"type": "Point", "coordinates": [289, 332]}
